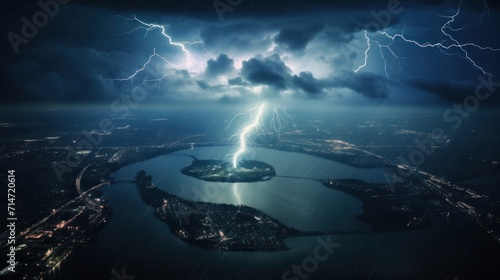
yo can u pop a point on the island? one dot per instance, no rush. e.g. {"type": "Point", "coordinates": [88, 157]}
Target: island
{"type": "Point", "coordinates": [212, 225]}
{"type": "Point", "coordinates": [223, 171]}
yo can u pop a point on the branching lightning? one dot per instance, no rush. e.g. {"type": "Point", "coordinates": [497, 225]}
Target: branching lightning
{"type": "Point", "coordinates": [247, 131]}
{"type": "Point", "coordinates": [131, 77]}
{"type": "Point", "coordinates": [148, 27]}
{"type": "Point", "coordinates": [449, 46]}
{"type": "Point", "coordinates": [264, 120]}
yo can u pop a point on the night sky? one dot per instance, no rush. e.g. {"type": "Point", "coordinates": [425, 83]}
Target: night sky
{"type": "Point", "coordinates": [241, 51]}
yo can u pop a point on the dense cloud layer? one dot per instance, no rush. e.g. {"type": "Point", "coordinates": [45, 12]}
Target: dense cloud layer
{"type": "Point", "coordinates": [261, 49]}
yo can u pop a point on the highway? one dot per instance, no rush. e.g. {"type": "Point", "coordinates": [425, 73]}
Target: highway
{"type": "Point", "coordinates": [82, 195]}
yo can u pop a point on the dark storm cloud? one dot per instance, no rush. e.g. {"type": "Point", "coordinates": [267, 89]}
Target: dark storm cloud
{"type": "Point", "coordinates": [307, 83]}
{"type": "Point", "coordinates": [297, 38]}
{"type": "Point", "coordinates": [222, 65]}
{"type": "Point", "coordinates": [84, 75]}
{"type": "Point", "coordinates": [269, 71]}
{"type": "Point", "coordinates": [449, 91]}
{"type": "Point", "coordinates": [367, 84]}
{"type": "Point", "coordinates": [272, 71]}
{"type": "Point", "coordinates": [61, 74]}
{"type": "Point", "coordinates": [443, 89]}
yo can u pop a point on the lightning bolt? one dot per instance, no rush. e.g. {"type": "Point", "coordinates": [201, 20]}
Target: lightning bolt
{"type": "Point", "coordinates": [450, 46]}
{"type": "Point", "coordinates": [132, 76]}
{"type": "Point", "coordinates": [366, 52]}
{"type": "Point", "coordinates": [264, 119]}
{"type": "Point", "coordinates": [148, 27]}
{"type": "Point", "coordinates": [247, 131]}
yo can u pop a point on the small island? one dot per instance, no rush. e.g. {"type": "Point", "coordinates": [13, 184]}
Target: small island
{"type": "Point", "coordinates": [223, 171]}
